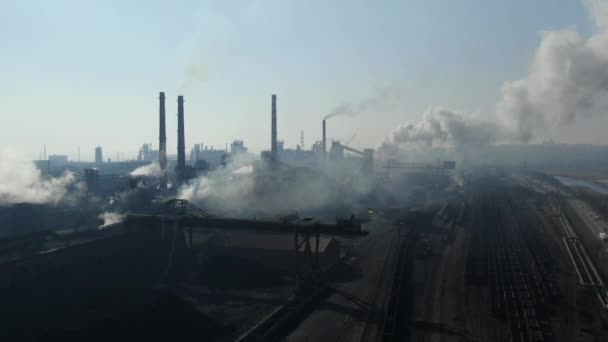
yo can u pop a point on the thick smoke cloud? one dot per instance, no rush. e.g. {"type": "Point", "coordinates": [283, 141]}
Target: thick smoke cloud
{"type": "Point", "coordinates": [567, 81]}
{"type": "Point", "coordinates": [443, 127]}
{"type": "Point", "coordinates": [22, 182]}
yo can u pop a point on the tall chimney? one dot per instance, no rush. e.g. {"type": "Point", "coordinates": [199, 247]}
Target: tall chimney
{"type": "Point", "coordinates": [162, 140]}
{"type": "Point", "coordinates": [273, 137]}
{"type": "Point", "coordinates": [181, 139]}
{"type": "Point", "coordinates": [324, 140]}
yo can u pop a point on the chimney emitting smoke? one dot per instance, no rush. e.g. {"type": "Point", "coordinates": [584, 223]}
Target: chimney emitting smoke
{"type": "Point", "coordinates": [324, 140]}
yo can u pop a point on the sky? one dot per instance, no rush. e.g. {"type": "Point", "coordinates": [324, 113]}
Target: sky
{"type": "Point", "coordinates": [87, 73]}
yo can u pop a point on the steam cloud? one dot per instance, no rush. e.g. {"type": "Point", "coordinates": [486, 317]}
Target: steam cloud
{"type": "Point", "coordinates": [152, 170]}
{"type": "Point", "coordinates": [22, 182]}
{"type": "Point", "coordinates": [222, 189]}
{"type": "Point", "coordinates": [110, 217]}
{"type": "Point", "coordinates": [567, 81]}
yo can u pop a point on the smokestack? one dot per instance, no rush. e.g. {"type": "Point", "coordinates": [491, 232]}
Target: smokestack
{"type": "Point", "coordinates": [324, 140]}
{"type": "Point", "coordinates": [162, 140]}
{"type": "Point", "coordinates": [273, 137]}
{"type": "Point", "coordinates": [181, 139]}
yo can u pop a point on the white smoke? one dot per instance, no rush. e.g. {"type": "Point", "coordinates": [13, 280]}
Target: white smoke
{"type": "Point", "coordinates": [225, 188]}
{"type": "Point", "coordinates": [152, 170]}
{"type": "Point", "coordinates": [598, 10]}
{"type": "Point", "coordinates": [441, 127]}
{"type": "Point", "coordinates": [567, 81]}
{"type": "Point", "coordinates": [22, 182]}
{"type": "Point", "coordinates": [245, 187]}
{"type": "Point", "coordinates": [110, 217]}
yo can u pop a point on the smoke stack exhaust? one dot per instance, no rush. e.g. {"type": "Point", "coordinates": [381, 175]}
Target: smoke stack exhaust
{"type": "Point", "coordinates": [162, 140]}
{"type": "Point", "coordinates": [181, 139]}
{"type": "Point", "coordinates": [273, 137]}
{"type": "Point", "coordinates": [324, 140]}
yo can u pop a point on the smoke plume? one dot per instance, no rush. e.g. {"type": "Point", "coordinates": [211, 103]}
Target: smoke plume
{"type": "Point", "coordinates": [567, 81]}
{"type": "Point", "coordinates": [195, 73]}
{"type": "Point", "coordinates": [152, 170]}
{"type": "Point", "coordinates": [22, 182]}
{"type": "Point", "coordinates": [441, 127]}
{"type": "Point", "coordinates": [380, 100]}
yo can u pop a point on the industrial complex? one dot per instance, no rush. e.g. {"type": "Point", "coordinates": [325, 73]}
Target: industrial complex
{"type": "Point", "coordinates": [328, 244]}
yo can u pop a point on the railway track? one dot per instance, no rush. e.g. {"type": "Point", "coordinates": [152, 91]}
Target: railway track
{"type": "Point", "coordinates": [506, 259]}
{"type": "Point", "coordinates": [585, 270]}
{"type": "Point", "coordinates": [398, 308]}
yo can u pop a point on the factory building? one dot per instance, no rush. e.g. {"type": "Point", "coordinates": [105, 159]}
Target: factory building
{"type": "Point", "coordinates": [237, 147]}
{"type": "Point", "coordinates": [57, 159]}
{"type": "Point", "coordinates": [297, 156]}
{"type": "Point", "coordinates": [336, 153]}
{"type": "Point", "coordinates": [147, 154]}
{"type": "Point", "coordinates": [98, 155]}
{"type": "Point", "coordinates": [209, 157]}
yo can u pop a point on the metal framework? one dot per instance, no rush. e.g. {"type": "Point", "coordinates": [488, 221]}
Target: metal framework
{"type": "Point", "coordinates": [187, 217]}
{"type": "Point", "coordinates": [307, 266]}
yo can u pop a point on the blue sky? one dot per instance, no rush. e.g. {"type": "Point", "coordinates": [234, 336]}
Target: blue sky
{"type": "Point", "coordinates": [89, 72]}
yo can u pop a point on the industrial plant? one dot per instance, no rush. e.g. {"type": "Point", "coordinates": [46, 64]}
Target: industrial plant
{"type": "Point", "coordinates": [487, 223]}
{"type": "Point", "coordinates": [330, 243]}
